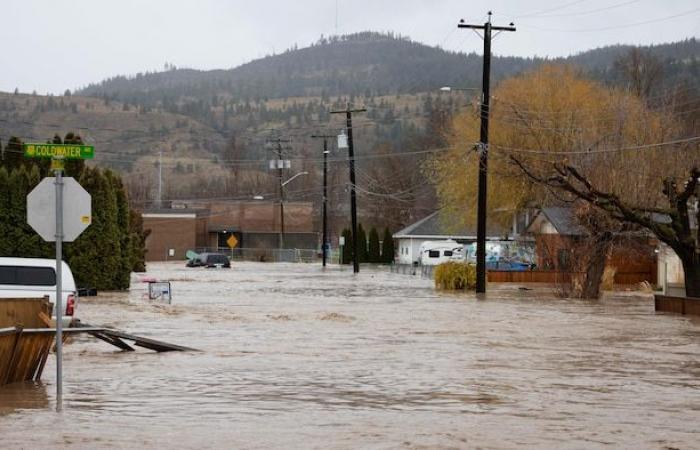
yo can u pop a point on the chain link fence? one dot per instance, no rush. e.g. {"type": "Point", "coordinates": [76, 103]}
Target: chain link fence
{"type": "Point", "coordinates": [295, 255]}
{"type": "Point", "coordinates": [413, 269]}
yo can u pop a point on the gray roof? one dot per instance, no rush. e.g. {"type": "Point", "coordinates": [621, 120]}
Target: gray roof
{"type": "Point", "coordinates": [563, 220]}
{"type": "Point", "coordinates": [432, 227]}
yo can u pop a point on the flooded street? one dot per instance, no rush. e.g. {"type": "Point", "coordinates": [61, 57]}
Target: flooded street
{"type": "Point", "coordinates": [295, 357]}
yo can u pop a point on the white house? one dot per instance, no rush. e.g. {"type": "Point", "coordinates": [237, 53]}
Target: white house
{"type": "Point", "coordinates": [671, 276]}
{"type": "Point", "coordinates": [431, 228]}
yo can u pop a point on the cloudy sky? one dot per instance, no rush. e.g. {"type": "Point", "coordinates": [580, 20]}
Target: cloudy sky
{"type": "Point", "coordinates": [52, 45]}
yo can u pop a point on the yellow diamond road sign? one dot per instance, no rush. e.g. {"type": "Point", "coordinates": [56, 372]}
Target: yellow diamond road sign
{"type": "Point", "coordinates": [232, 241]}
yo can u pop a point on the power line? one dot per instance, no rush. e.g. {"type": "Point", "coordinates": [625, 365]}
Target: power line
{"type": "Point", "coordinates": [597, 151]}
{"type": "Point", "coordinates": [583, 13]}
{"type": "Point", "coordinates": [544, 11]}
{"type": "Point", "coordinates": [616, 27]}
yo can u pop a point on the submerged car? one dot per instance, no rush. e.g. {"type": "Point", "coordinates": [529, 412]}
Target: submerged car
{"type": "Point", "coordinates": [209, 260]}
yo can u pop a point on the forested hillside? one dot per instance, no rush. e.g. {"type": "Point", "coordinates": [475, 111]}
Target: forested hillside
{"type": "Point", "coordinates": [368, 64]}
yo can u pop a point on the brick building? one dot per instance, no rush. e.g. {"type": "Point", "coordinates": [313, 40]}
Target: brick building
{"type": "Point", "coordinates": [199, 225]}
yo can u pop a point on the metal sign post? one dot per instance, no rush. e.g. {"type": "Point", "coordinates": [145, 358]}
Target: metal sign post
{"type": "Point", "coordinates": [59, 288]}
{"type": "Point", "coordinates": [48, 217]}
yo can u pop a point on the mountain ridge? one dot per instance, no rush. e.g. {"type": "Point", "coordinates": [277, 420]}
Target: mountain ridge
{"type": "Point", "coordinates": [382, 64]}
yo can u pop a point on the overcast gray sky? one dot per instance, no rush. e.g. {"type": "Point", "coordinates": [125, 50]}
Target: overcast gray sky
{"type": "Point", "coordinates": [52, 45]}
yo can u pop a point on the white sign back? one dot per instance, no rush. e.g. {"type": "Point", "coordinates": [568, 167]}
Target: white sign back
{"type": "Point", "coordinates": [41, 209]}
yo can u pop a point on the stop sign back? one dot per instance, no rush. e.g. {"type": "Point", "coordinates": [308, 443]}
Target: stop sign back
{"type": "Point", "coordinates": [41, 209]}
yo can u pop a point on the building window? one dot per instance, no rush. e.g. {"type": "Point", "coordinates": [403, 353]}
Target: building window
{"type": "Point", "coordinates": [564, 259]}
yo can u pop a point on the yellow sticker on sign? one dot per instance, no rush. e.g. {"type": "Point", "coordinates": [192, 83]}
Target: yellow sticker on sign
{"type": "Point", "coordinates": [232, 241]}
{"type": "Point", "coordinates": [86, 219]}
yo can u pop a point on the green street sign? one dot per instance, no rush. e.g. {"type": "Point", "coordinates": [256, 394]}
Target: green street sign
{"type": "Point", "coordinates": [59, 151]}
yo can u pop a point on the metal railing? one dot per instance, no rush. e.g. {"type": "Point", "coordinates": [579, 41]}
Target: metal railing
{"type": "Point", "coordinates": [413, 269]}
{"type": "Point", "coordinates": [295, 255]}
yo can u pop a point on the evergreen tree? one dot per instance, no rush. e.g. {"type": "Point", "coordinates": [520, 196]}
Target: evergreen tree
{"type": "Point", "coordinates": [373, 254]}
{"type": "Point", "coordinates": [347, 247]}
{"type": "Point", "coordinates": [361, 244]}
{"type": "Point", "coordinates": [105, 253]}
{"type": "Point", "coordinates": [138, 241]}
{"type": "Point", "coordinates": [5, 224]}
{"type": "Point", "coordinates": [387, 247]}
{"type": "Point", "coordinates": [96, 254]}
{"type": "Point", "coordinates": [23, 239]}
{"type": "Point", "coordinates": [72, 167]}
{"type": "Point", "coordinates": [122, 276]}
{"type": "Point", "coordinates": [13, 154]}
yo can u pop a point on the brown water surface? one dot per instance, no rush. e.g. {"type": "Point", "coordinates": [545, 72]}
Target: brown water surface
{"type": "Point", "coordinates": [297, 357]}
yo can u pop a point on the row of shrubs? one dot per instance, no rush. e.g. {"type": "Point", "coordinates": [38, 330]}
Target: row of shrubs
{"type": "Point", "coordinates": [455, 276]}
{"type": "Point", "coordinates": [372, 251]}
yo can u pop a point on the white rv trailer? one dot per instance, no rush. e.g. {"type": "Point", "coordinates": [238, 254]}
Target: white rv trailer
{"type": "Point", "coordinates": [433, 253]}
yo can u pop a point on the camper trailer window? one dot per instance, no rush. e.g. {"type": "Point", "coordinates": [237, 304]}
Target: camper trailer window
{"type": "Point", "coordinates": [433, 253]}
{"type": "Point", "coordinates": [448, 252]}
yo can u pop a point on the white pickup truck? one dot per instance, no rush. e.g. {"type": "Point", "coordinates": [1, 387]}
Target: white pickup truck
{"type": "Point", "coordinates": [36, 278]}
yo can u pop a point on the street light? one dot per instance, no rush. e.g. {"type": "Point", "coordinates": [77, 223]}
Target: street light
{"type": "Point", "coordinates": [450, 89]}
{"type": "Point", "coordinates": [282, 185]}
{"type": "Point", "coordinates": [297, 175]}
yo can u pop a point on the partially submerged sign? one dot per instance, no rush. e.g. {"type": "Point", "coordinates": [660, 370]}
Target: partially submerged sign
{"type": "Point", "coordinates": [159, 290]}
{"type": "Point", "coordinates": [59, 151]}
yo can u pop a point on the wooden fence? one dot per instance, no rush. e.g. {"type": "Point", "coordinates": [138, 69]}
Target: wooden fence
{"type": "Point", "coordinates": [23, 355]}
{"type": "Point", "coordinates": [554, 277]}
{"type": "Point", "coordinates": [678, 305]}
{"type": "Point", "coordinates": [530, 276]}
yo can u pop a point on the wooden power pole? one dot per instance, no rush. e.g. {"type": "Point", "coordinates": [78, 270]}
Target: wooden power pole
{"type": "Point", "coordinates": [483, 150]}
{"type": "Point", "coordinates": [353, 202]}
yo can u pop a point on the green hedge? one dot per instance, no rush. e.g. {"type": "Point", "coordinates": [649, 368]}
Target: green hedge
{"type": "Point", "coordinates": [455, 276]}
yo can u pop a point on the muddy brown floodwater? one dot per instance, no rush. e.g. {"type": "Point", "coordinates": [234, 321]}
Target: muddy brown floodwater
{"type": "Point", "coordinates": [295, 357]}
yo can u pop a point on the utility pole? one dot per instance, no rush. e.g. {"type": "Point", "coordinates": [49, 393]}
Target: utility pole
{"type": "Point", "coordinates": [160, 179]}
{"type": "Point", "coordinates": [58, 166]}
{"type": "Point", "coordinates": [353, 202]}
{"type": "Point", "coordinates": [483, 150]}
{"type": "Point", "coordinates": [324, 248]}
{"type": "Point", "coordinates": [280, 164]}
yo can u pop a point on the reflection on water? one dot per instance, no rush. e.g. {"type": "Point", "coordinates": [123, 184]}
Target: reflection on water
{"type": "Point", "coordinates": [20, 396]}
{"type": "Point", "coordinates": [297, 357]}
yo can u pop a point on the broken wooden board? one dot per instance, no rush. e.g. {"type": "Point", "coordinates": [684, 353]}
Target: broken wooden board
{"type": "Point", "coordinates": [24, 351]}
{"type": "Point", "coordinates": [116, 338]}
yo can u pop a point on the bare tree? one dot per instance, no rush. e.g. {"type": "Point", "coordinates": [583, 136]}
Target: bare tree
{"type": "Point", "coordinates": [671, 224]}
{"type": "Point", "coordinates": [641, 70]}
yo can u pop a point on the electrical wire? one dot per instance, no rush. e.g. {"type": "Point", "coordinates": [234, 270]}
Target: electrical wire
{"type": "Point", "coordinates": [614, 27]}
{"type": "Point", "coordinates": [579, 13]}
{"type": "Point", "coordinates": [543, 11]}
{"type": "Point", "coordinates": [597, 151]}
